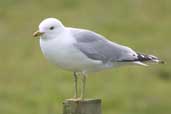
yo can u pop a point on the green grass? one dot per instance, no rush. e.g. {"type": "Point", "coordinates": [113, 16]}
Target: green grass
{"type": "Point", "coordinates": [30, 85]}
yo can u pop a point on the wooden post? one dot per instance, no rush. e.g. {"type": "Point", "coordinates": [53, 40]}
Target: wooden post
{"type": "Point", "coordinates": [88, 106]}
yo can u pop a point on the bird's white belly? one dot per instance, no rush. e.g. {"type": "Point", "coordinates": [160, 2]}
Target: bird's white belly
{"type": "Point", "coordinates": [68, 57]}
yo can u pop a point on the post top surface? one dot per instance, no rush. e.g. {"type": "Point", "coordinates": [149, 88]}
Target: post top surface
{"type": "Point", "coordinates": [83, 101]}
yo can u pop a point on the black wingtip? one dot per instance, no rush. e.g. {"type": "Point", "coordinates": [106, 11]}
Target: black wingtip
{"type": "Point", "coordinates": [149, 58]}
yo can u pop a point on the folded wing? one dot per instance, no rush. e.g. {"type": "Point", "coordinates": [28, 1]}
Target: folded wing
{"type": "Point", "coordinates": [97, 47]}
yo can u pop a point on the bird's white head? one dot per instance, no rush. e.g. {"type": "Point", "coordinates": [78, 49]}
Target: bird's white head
{"type": "Point", "coordinates": [49, 28]}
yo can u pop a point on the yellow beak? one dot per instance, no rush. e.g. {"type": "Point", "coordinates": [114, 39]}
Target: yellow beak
{"type": "Point", "coordinates": [37, 33]}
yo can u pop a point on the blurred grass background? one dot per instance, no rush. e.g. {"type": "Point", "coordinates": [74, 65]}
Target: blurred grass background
{"type": "Point", "coordinates": [30, 85]}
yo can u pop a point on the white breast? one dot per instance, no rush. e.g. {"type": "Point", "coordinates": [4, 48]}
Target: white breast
{"type": "Point", "coordinates": [62, 52]}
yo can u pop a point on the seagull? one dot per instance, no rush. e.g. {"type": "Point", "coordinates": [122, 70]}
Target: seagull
{"type": "Point", "coordinates": [83, 51]}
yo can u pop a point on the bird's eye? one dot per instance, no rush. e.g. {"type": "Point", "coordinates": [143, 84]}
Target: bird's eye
{"type": "Point", "coordinates": [51, 28]}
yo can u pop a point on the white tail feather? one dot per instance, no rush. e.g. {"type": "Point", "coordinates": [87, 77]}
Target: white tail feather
{"type": "Point", "coordinates": [140, 63]}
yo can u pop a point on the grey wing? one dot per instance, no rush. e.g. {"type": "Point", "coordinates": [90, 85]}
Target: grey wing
{"type": "Point", "coordinates": [96, 47]}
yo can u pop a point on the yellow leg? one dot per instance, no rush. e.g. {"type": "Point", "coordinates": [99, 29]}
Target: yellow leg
{"type": "Point", "coordinates": [83, 87]}
{"type": "Point", "coordinates": [76, 85]}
